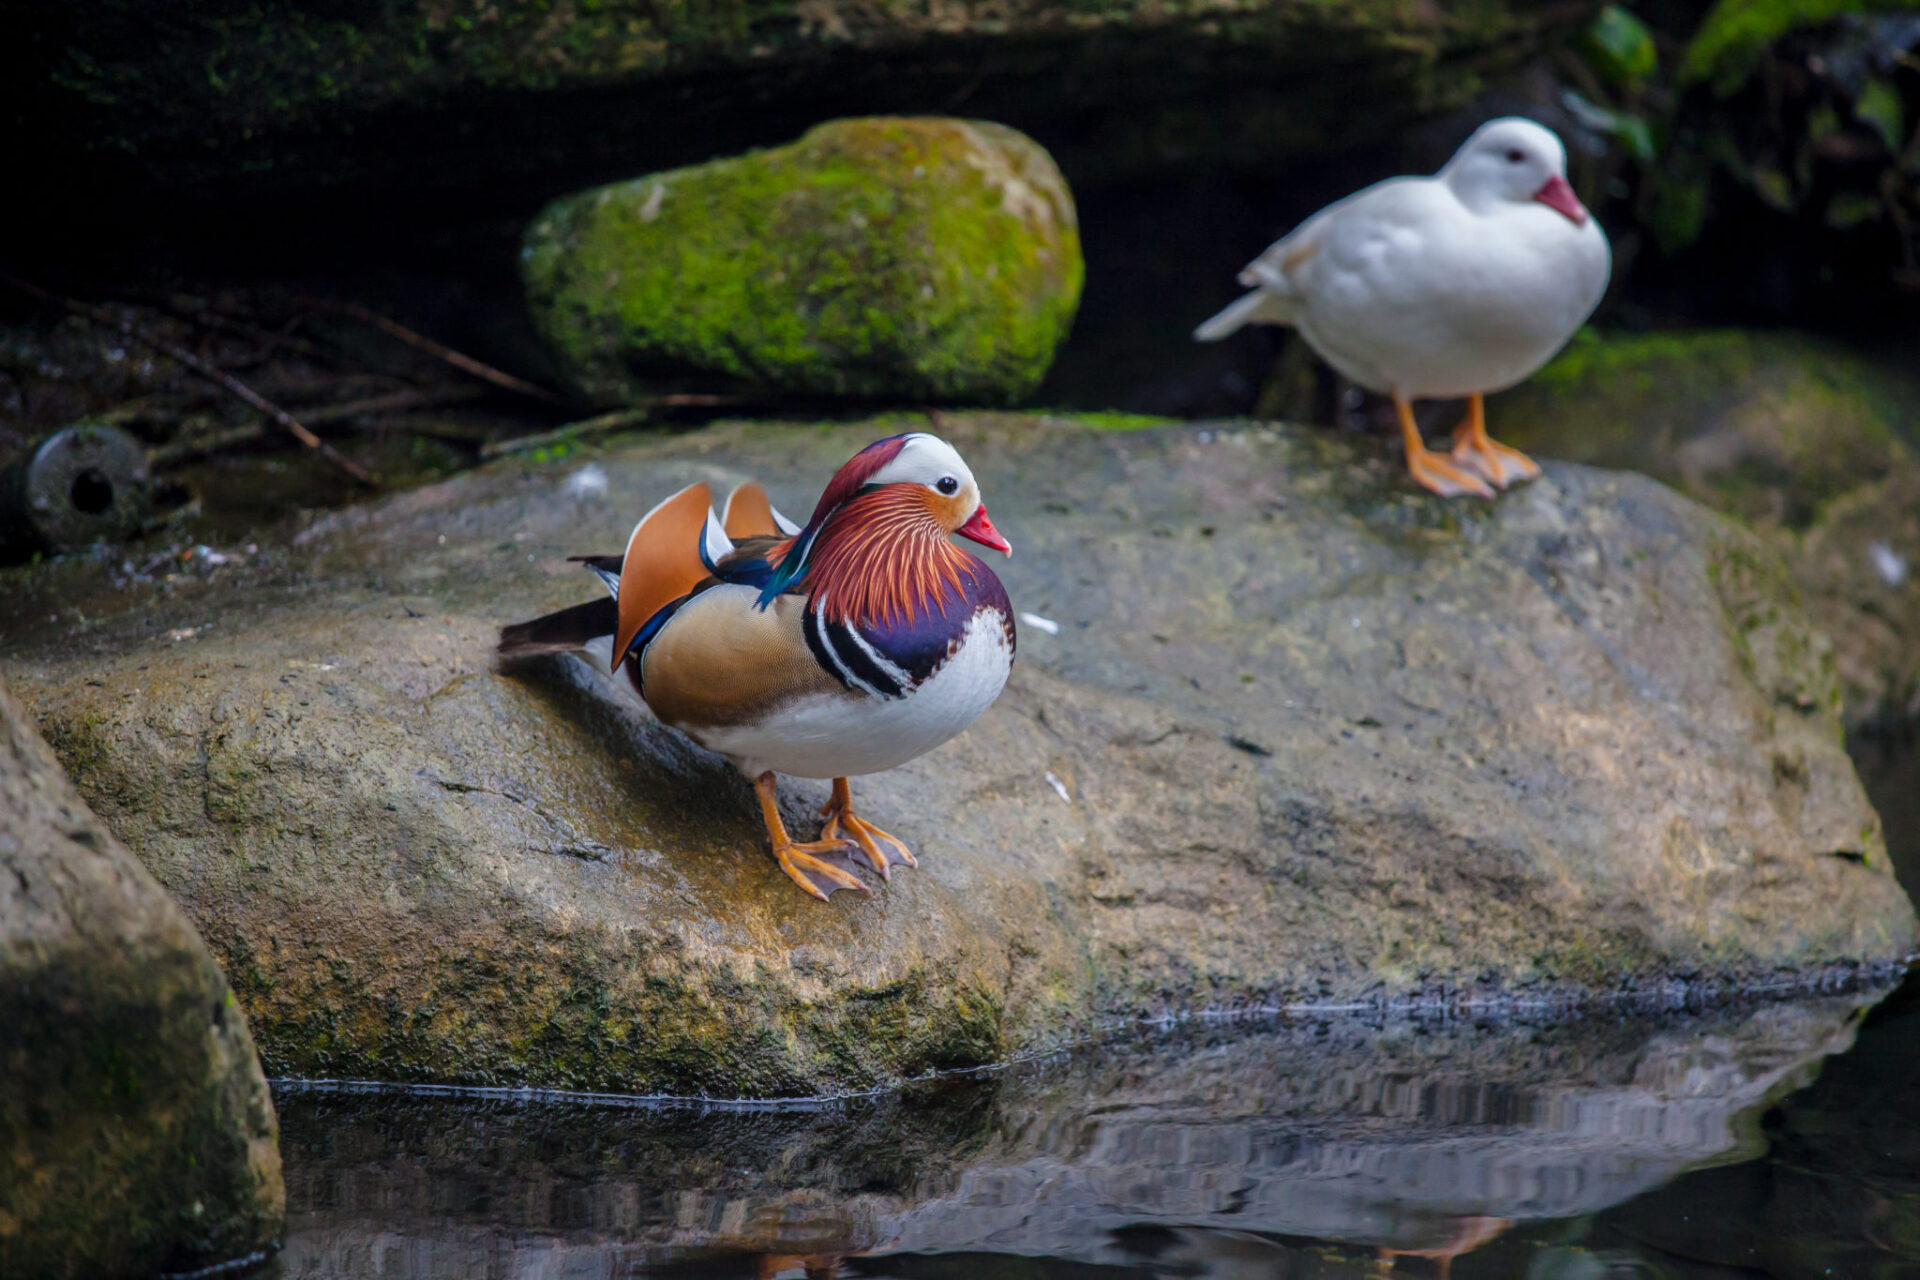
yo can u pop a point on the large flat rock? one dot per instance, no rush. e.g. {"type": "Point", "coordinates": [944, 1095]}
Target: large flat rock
{"type": "Point", "coordinates": [1304, 736]}
{"type": "Point", "coordinates": [136, 1131]}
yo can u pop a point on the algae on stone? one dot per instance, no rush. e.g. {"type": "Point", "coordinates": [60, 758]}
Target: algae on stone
{"type": "Point", "coordinates": [1810, 444]}
{"type": "Point", "coordinates": [912, 259]}
{"type": "Point", "coordinates": [136, 1131]}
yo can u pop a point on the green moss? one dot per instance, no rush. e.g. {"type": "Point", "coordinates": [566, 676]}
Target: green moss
{"type": "Point", "coordinates": [1786, 660]}
{"type": "Point", "coordinates": [928, 259]}
{"type": "Point", "coordinates": [127, 1138]}
{"type": "Point", "coordinates": [593, 1017]}
{"type": "Point", "coordinates": [1730, 39]}
{"type": "Point", "coordinates": [1769, 427]}
{"type": "Point", "coordinates": [1121, 421]}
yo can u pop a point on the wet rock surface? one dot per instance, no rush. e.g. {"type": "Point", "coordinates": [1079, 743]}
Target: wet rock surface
{"type": "Point", "coordinates": [892, 259]}
{"type": "Point", "coordinates": [136, 1131]}
{"type": "Point", "coordinates": [1303, 737]}
{"type": "Point", "coordinates": [1809, 443]}
{"type": "Point", "coordinates": [1224, 1153]}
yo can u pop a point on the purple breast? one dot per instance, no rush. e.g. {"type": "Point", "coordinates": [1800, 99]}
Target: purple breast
{"type": "Point", "coordinates": [920, 645]}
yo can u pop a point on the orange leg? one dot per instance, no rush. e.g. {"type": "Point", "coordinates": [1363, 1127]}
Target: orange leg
{"type": "Point", "coordinates": [819, 867]}
{"type": "Point", "coordinates": [1469, 1234]}
{"type": "Point", "coordinates": [883, 851]}
{"type": "Point", "coordinates": [1429, 468]}
{"type": "Point", "coordinates": [1482, 455]}
{"type": "Point", "coordinates": [816, 1266]}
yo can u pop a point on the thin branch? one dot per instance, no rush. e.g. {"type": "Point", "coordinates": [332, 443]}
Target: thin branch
{"type": "Point", "coordinates": [183, 356]}
{"type": "Point", "coordinates": [419, 341]}
{"type": "Point", "coordinates": [632, 417]}
{"type": "Point", "coordinates": [570, 433]}
{"type": "Point", "coordinates": [392, 402]}
{"type": "Point", "coordinates": [395, 402]}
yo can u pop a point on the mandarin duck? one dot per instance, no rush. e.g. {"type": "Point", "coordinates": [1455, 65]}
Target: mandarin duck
{"type": "Point", "coordinates": [1458, 284]}
{"type": "Point", "coordinates": [848, 646]}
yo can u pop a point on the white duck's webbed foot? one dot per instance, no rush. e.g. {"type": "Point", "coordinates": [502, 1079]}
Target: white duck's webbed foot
{"type": "Point", "coordinates": [1431, 470]}
{"type": "Point", "coordinates": [1485, 457]}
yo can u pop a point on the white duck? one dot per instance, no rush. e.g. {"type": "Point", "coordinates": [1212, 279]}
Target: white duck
{"type": "Point", "coordinates": [1454, 285]}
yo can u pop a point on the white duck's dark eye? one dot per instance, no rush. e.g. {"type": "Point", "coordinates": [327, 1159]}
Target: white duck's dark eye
{"type": "Point", "coordinates": [1516, 156]}
{"type": "Point", "coordinates": [947, 485]}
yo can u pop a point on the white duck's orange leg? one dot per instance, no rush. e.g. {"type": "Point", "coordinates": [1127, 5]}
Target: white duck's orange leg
{"type": "Point", "coordinates": [819, 867]}
{"type": "Point", "coordinates": [1469, 1234]}
{"type": "Point", "coordinates": [883, 851]}
{"type": "Point", "coordinates": [1429, 468]}
{"type": "Point", "coordinates": [1484, 456]}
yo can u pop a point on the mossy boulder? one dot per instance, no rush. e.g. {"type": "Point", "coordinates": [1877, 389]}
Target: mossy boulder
{"type": "Point", "coordinates": [136, 1131]}
{"type": "Point", "coordinates": [907, 259]}
{"type": "Point", "coordinates": [1304, 735]}
{"type": "Point", "coordinates": [1809, 443]}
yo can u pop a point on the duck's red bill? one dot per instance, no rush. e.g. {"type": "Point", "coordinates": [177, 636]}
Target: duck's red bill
{"type": "Point", "coordinates": [1559, 197]}
{"type": "Point", "coordinates": [981, 530]}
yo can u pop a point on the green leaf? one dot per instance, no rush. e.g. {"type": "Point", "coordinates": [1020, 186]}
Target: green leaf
{"type": "Point", "coordinates": [1620, 47]}
{"type": "Point", "coordinates": [1822, 122]}
{"type": "Point", "coordinates": [1879, 105]}
{"type": "Point", "coordinates": [1774, 187]}
{"type": "Point", "coordinates": [1677, 210]}
{"type": "Point", "coordinates": [1637, 134]}
{"type": "Point", "coordinates": [1727, 46]}
{"type": "Point", "coordinates": [1631, 130]}
{"type": "Point", "coordinates": [1851, 208]}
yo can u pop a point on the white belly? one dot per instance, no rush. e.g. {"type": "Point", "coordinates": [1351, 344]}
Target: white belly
{"type": "Point", "coordinates": [845, 734]}
{"type": "Point", "coordinates": [1466, 308]}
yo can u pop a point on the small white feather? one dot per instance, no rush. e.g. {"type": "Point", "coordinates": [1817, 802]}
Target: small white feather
{"type": "Point", "coordinates": [715, 545]}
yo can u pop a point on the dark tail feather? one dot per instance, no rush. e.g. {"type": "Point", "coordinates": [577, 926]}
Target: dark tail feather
{"type": "Point", "coordinates": [561, 632]}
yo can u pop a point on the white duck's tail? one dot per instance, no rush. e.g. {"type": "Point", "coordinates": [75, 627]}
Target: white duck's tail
{"type": "Point", "coordinates": [1262, 306]}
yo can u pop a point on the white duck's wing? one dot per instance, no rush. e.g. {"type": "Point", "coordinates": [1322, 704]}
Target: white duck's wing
{"type": "Point", "coordinates": [1284, 266]}
{"type": "Point", "coordinates": [1283, 276]}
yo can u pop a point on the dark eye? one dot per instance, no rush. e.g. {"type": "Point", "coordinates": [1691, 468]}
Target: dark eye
{"type": "Point", "coordinates": [1515, 157]}
{"type": "Point", "coordinates": [947, 485]}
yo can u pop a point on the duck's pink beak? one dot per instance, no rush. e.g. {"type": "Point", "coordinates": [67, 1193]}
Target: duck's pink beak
{"type": "Point", "coordinates": [1559, 197]}
{"type": "Point", "coordinates": [981, 530]}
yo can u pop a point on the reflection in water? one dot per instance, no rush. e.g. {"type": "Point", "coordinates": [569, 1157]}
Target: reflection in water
{"type": "Point", "coordinates": [1300, 1152]}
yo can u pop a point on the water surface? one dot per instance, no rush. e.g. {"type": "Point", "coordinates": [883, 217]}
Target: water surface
{"type": "Point", "coordinates": [1761, 1139]}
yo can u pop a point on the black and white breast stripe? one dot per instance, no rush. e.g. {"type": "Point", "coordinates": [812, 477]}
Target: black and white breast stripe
{"type": "Point", "coordinates": [846, 656]}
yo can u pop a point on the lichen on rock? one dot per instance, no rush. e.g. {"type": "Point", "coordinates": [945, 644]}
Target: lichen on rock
{"type": "Point", "coordinates": [916, 259]}
{"type": "Point", "coordinates": [1807, 443]}
{"type": "Point", "coordinates": [136, 1131]}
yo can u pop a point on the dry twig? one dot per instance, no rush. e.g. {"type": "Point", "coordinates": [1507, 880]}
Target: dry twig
{"type": "Point", "coordinates": [181, 355]}
{"type": "Point", "coordinates": [394, 402]}
{"type": "Point", "coordinates": [571, 432]}
{"type": "Point", "coordinates": [420, 342]}
{"type": "Point", "coordinates": [574, 432]}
